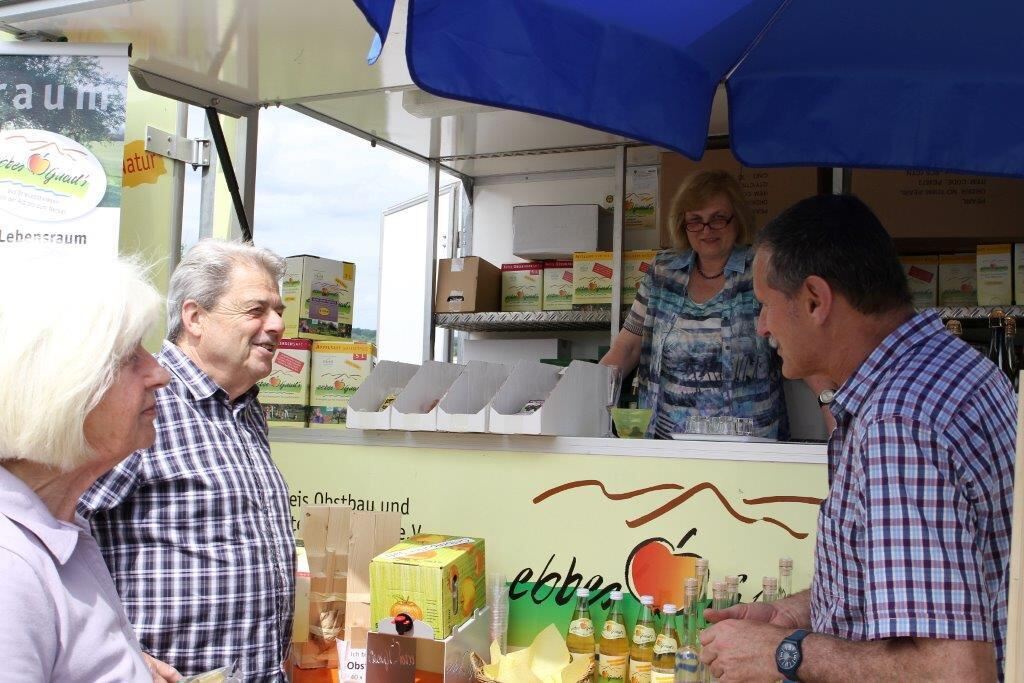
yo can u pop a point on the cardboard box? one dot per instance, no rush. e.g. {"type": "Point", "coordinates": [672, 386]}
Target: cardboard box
{"type": "Point", "coordinates": [958, 282]}
{"type": "Point", "coordinates": [995, 274]}
{"type": "Point", "coordinates": [284, 393]}
{"type": "Point", "coordinates": [635, 265]}
{"type": "Point", "coordinates": [512, 350]}
{"type": "Point", "coordinates": [1018, 274]}
{"type": "Point", "coordinates": [318, 295]}
{"type": "Point", "coordinates": [436, 579]}
{"type": "Point", "coordinates": [339, 369]}
{"type": "Point", "coordinates": [923, 278]}
{"type": "Point", "coordinates": [557, 286]}
{"type": "Point", "coordinates": [592, 278]}
{"type": "Point", "coordinates": [556, 232]}
{"type": "Point", "coordinates": [521, 286]}
{"type": "Point", "coordinates": [467, 285]}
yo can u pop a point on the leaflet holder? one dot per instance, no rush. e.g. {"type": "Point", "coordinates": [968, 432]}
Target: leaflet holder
{"type": "Point", "coordinates": [576, 400]}
{"type": "Point", "coordinates": [465, 408]}
{"type": "Point", "coordinates": [415, 409]}
{"type": "Point", "coordinates": [364, 408]}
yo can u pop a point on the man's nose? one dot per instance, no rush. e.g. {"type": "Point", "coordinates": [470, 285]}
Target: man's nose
{"type": "Point", "coordinates": [275, 322]}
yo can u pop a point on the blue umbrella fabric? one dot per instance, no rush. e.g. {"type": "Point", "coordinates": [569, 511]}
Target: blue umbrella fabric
{"type": "Point", "coordinates": [935, 85]}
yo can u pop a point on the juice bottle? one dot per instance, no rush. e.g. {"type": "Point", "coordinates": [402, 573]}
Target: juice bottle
{"type": "Point", "coordinates": [663, 667]}
{"type": "Point", "coordinates": [580, 639]}
{"type": "Point", "coordinates": [613, 648]}
{"type": "Point", "coordinates": [641, 651]}
{"type": "Point", "coordinates": [688, 666]}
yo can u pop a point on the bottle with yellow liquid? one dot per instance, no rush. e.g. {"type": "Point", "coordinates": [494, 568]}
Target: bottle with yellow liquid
{"type": "Point", "coordinates": [613, 648]}
{"type": "Point", "coordinates": [663, 667]}
{"type": "Point", "coordinates": [641, 651]}
{"type": "Point", "coordinates": [580, 639]}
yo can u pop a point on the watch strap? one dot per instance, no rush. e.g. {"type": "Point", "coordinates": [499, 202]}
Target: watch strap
{"type": "Point", "coordinates": [795, 639]}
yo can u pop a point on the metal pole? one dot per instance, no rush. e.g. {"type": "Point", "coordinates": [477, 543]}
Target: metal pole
{"type": "Point", "coordinates": [208, 192]}
{"type": "Point", "coordinates": [177, 192]}
{"type": "Point", "coordinates": [433, 185]}
{"type": "Point", "coordinates": [249, 137]}
{"type": "Point", "coordinates": [620, 221]}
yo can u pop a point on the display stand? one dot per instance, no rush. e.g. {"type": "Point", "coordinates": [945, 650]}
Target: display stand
{"type": "Point", "coordinates": [364, 407]}
{"type": "Point", "coordinates": [575, 401]}
{"type": "Point", "coordinates": [415, 409]}
{"type": "Point", "coordinates": [465, 407]}
{"type": "Point", "coordinates": [405, 658]}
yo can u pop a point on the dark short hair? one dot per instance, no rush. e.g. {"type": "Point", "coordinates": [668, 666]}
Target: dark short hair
{"type": "Point", "coordinates": [839, 239]}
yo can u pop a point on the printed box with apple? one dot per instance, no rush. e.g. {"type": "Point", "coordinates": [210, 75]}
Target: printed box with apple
{"type": "Point", "coordinates": [592, 279]}
{"type": "Point", "coordinates": [339, 368]}
{"type": "Point", "coordinates": [318, 295]}
{"type": "Point", "coordinates": [284, 393]}
{"type": "Point", "coordinates": [436, 579]}
{"type": "Point", "coordinates": [522, 286]}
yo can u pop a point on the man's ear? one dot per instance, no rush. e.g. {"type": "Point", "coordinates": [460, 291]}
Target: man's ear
{"type": "Point", "coordinates": [818, 298]}
{"type": "Point", "coordinates": [192, 318]}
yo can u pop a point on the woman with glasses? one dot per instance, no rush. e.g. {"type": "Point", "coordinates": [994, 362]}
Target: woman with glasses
{"type": "Point", "coordinates": [692, 327]}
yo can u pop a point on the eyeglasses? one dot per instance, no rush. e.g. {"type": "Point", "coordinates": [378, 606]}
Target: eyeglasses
{"type": "Point", "coordinates": [716, 223]}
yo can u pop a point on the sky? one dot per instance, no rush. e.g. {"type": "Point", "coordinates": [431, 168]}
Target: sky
{"type": "Point", "coordinates": [321, 191]}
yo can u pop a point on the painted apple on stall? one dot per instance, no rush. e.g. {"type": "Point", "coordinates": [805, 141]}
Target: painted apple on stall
{"type": "Point", "coordinates": [656, 567]}
{"type": "Point", "coordinates": [38, 164]}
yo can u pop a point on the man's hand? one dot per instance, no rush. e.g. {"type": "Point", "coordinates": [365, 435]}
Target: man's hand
{"type": "Point", "coordinates": [742, 650]}
{"type": "Point", "coordinates": [161, 671]}
{"type": "Point", "coordinates": [777, 613]}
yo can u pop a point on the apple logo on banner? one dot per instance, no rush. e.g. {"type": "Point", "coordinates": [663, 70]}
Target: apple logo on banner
{"type": "Point", "coordinates": [657, 567]}
{"type": "Point", "coordinates": [46, 176]}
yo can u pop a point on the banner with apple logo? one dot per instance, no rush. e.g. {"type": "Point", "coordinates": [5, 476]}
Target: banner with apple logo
{"type": "Point", "coordinates": [62, 124]}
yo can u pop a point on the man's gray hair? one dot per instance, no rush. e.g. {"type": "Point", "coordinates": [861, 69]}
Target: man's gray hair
{"type": "Point", "coordinates": [204, 273]}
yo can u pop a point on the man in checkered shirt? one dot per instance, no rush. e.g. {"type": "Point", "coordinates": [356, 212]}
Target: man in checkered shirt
{"type": "Point", "coordinates": [912, 557]}
{"type": "Point", "coordinates": [196, 530]}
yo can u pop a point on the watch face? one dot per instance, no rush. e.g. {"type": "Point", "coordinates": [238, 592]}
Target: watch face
{"type": "Point", "coordinates": [826, 396]}
{"type": "Point", "coordinates": [787, 655]}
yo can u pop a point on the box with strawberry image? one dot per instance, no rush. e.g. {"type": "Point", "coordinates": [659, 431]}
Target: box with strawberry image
{"type": "Point", "coordinates": [436, 579]}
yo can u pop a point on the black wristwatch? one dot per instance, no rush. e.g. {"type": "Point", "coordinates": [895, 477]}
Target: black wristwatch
{"type": "Point", "coordinates": [825, 397]}
{"type": "Point", "coordinates": [789, 654]}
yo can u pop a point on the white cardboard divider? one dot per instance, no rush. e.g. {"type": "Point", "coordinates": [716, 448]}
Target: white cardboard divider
{"type": "Point", "coordinates": [575, 405]}
{"type": "Point", "coordinates": [364, 406]}
{"type": "Point", "coordinates": [415, 409]}
{"type": "Point", "coordinates": [465, 407]}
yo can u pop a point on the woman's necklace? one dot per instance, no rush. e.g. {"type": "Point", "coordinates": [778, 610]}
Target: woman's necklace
{"type": "Point", "coordinates": [709, 277]}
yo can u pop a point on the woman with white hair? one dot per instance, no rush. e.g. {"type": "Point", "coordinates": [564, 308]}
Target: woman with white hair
{"type": "Point", "coordinates": [77, 398]}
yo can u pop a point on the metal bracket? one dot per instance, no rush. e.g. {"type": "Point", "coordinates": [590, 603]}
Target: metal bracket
{"type": "Point", "coordinates": [172, 146]}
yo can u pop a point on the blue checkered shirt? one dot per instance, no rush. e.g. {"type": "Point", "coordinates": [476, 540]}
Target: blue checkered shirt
{"type": "Point", "coordinates": [197, 531]}
{"type": "Point", "coordinates": [914, 537]}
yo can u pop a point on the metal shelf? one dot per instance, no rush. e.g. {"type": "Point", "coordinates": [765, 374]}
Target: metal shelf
{"type": "Point", "coordinates": [519, 321]}
{"type": "Point", "coordinates": [979, 312]}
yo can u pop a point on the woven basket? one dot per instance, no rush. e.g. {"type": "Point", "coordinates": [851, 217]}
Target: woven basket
{"type": "Point", "coordinates": [481, 677]}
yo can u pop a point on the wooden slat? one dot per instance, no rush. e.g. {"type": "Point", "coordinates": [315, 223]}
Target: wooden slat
{"type": "Point", "coordinates": [1014, 664]}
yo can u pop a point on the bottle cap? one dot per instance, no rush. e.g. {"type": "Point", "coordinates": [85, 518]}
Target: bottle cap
{"type": "Point", "coordinates": [718, 586]}
{"type": "Point", "coordinates": [668, 609]}
{"type": "Point", "coordinates": [690, 581]}
{"type": "Point", "coordinates": [615, 595]}
{"type": "Point", "coordinates": [701, 562]}
{"type": "Point", "coordinates": [583, 592]}
{"type": "Point", "coordinates": [770, 581]}
{"type": "Point", "coordinates": [646, 599]}
{"type": "Point", "coordinates": [732, 581]}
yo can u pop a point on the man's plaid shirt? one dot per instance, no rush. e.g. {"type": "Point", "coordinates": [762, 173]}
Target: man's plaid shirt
{"type": "Point", "coordinates": [914, 538]}
{"type": "Point", "coordinates": [197, 531]}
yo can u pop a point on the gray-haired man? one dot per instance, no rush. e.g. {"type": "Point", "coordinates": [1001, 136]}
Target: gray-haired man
{"type": "Point", "coordinates": [196, 530]}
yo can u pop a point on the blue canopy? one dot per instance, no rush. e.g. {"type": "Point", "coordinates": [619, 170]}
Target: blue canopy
{"type": "Point", "coordinates": [912, 84]}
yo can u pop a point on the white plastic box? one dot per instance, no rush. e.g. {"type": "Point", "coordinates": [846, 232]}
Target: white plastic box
{"type": "Point", "coordinates": [364, 407]}
{"type": "Point", "coordinates": [575, 402]}
{"type": "Point", "coordinates": [508, 351]}
{"type": "Point", "coordinates": [555, 232]}
{"type": "Point", "coordinates": [415, 409]}
{"type": "Point", "coordinates": [466, 406]}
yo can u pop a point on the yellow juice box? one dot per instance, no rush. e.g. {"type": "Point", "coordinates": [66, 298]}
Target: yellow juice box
{"type": "Point", "coordinates": [284, 393]}
{"type": "Point", "coordinates": [557, 286]}
{"type": "Point", "coordinates": [995, 275]}
{"type": "Point", "coordinates": [318, 295]}
{"type": "Point", "coordinates": [522, 285]}
{"type": "Point", "coordinates": [923, 279]}
{"type": "Point", "coordinates": [436, 579]}
{"type": "Point", "coordinates": [958, 280]}
{"type": "Point", "coordinates": [592, 278]}
{"type": "Point", "coordinates": [635, 265]}
{"type": "Point", "coordinates": [339, 368]}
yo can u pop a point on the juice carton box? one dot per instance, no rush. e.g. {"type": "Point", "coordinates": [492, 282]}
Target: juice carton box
{"type": "Point", "coordinates": [521, 286]}
{"type": "Point", "coordinates": [995, 275]}
{"type": "Point", "coordinates": [284, 393]}
{"type": "Point", "coordinates": [436, 579]}
{"type": "Point", "coordinates": [592, 279]}
{"type": "Point", "coordinates": [557, 286]}
{"type": "Point", "coordinates": [635, 265]}
{"type": "Point", "coordinates": [958, 280]}
{"type": "Point", "coordinates": [339, 368]}
{"type": "Point", "coordinates": [318, 295]}
{"type": "Point", "coordinates": [923, 278]}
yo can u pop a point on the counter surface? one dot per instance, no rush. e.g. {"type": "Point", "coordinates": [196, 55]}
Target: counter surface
{"type": "Point", "coordinates": [810, 453]}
